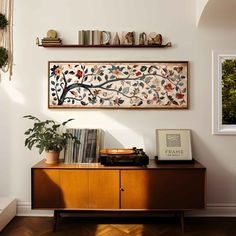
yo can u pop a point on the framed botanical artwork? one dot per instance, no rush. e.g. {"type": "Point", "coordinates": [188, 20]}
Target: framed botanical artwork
{"type": "Point", "coordinates": [118, 85]}
{"type": "Point", "coordinates": [224, 92]}
{"type": "Point", "coordinates": [173, 145]}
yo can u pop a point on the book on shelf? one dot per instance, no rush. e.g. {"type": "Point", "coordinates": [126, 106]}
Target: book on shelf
{"type": "Point", "coordinates": [89, 37]}
{"type": "Point", "coordinates": [88, 149]}
{"type": "Point", "coordinates": [51, 41]}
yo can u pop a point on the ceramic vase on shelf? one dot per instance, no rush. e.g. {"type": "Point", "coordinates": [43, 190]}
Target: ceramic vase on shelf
{"type": "Point", "coordinates": [142, 39]}
{"type": "Point", "coordinates": [116, 40]}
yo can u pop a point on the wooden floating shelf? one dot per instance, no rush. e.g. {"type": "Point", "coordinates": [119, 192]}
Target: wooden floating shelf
{"type": "Point", "coordinates": [104, 46]}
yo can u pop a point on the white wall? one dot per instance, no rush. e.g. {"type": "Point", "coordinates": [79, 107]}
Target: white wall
{"type": "Point", "coordinates": [27, 93]}
{"type": "Point", "coordinates": [200, 5]}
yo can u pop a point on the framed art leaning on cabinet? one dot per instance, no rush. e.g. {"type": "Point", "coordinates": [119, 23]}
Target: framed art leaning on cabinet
{"type": "Point", "coordinates": [173, 145]}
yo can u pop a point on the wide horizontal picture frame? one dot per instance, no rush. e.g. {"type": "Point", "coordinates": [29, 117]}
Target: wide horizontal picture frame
{"type": "Point", "coordinates": [147, 84]}
{"type": "Point", "coordinates": [224, 92]}
{"type": "Point", "coordinates": [173, 145]}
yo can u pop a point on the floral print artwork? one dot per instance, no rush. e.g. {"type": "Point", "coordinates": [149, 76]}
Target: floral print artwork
{"type": "Point", "coordinates": [118, 84]}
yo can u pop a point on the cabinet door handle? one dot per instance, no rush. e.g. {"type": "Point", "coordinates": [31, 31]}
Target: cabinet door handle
{"type": "Point", "coordinates": [121, 189]}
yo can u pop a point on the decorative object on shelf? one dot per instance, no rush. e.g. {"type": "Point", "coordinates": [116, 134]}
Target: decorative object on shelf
{"type": "Point", "coordinates": [106, 37]}
{"type": "Point", "coordinates": [173, 145]}
{"type": "Point", "coordinates": [116, 40]}
{"type": "Point", "coordinates": [154, 39]}
{"type": "Point", "coordinates": [52, 34]}
{"type": "Point", "coordinates": [224, 87]}
{"type": "Point", "coordinates": [6, 36]}
{"type": "Point", "coordinates": [143, 39]}
{"type": "Point", "coordinates": [118, 84]}
{"type": "Point", "coordinates": [37, 41]}
{"type": "Point", "coordinates": [128, 38]}
{"type": "Point", "coordinates": [48, 136]}
{"type": "Point", "coordinates": [51, 39]}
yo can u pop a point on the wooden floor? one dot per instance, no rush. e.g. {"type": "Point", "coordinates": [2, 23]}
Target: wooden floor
{"type": "Point", "coordinates": [70, 226]}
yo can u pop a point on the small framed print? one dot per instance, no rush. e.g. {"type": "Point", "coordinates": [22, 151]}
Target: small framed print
{"type": "Point", "coordinates": [173, 145]}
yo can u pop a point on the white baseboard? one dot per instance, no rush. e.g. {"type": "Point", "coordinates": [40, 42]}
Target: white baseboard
{"type": "Point", "coordinates": [212, 210]}
{"type": "Point", "coordinates": [24, 209]}
{"type": "Point", "coordinates": [215, 210]}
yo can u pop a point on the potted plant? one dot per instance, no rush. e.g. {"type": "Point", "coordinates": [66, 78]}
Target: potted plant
{"type": "Point", "coordinates": [48, 136]}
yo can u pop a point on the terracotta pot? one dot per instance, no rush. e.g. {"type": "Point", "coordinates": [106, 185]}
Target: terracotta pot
{"type": "Point", "coordinates": [52, 157]}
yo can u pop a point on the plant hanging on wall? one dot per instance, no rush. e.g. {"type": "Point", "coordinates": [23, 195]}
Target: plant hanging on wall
{"type": "Point", "coordinates": [3, 57]}
{"type": "Point", "coordinates": [6, 37]}
{"type": "Point", "coordinates": [3, 21]}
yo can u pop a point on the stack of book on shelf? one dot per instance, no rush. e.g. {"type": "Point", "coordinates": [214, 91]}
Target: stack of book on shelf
{"type": "Point", "coordinates": [90, 37]}
{"type": "Point", "coordinates": [51, 41]}
{"type": "Point", "coordinates": [88, 149]}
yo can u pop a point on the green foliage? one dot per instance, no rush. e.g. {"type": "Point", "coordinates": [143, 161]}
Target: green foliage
{"type": "Point", "coordinates": [3, 56]}
{"type": "Point", "coordinates": [47, 135]}
{"type": "Point", "coordinates": [229, 92]}
{"type": "Point", "coordinates": [3, 21]}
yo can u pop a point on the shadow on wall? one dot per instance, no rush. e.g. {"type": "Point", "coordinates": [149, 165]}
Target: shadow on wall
{"type": "Point", "coordinates": [131, 137]}
{"type": "Point", "coordinates": [218, 188]}
{"type": "Point", "coordinates": [5, 157]}
{"type": "Point", "coordinates": [138, 126]}
{"type": "Point", "coordinates": [219, 14]}
{"type": "Point", "coordinates": [110, 141]}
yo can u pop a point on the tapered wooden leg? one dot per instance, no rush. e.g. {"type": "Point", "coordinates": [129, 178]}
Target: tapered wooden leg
{"type": "Point", "coordinates": [56, 216]}
{"type": "Point", "coordinates": [182, 220]}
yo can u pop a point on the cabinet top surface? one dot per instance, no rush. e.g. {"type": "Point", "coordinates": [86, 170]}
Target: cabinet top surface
{"type": "Point", "coordinates": [152, 165]}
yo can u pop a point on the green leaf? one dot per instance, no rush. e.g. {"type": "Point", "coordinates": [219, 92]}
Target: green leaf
{"type": "Point", "coordinates": [141, 84]}
{"type": "Point", "coordinates": [126, 90]}
{"type": "Point", "coordinates": [120, 101]}
{"type": "Point", "coordinates": [65, 122]}
{"type": "Point", "coordinates": [143, 68]}
{"type": "Point", "coordinates": [140, 103]}
{"type": "Point", "coordinates": [84, 103]}
{"type": "Point", "coordinates": [109, 86]}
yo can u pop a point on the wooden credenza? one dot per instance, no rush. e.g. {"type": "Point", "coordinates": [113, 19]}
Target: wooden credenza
{"type": "Point", "coordinates": [164, 187]}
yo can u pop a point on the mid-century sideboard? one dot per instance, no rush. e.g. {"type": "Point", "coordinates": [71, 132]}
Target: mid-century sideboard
{"type": "Point", "coordinates": [156, 187]}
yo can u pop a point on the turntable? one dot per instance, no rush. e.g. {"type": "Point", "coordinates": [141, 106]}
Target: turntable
{"type": "Point", "coordinates": [123, 157]}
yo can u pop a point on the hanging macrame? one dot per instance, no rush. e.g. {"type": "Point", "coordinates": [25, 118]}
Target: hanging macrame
{"type": "Point", "coordinates": [6, 37]}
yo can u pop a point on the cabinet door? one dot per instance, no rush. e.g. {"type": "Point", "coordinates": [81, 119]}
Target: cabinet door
{"type": "Point", "coordinates": [162, 189]}
{"type": "Point", "coordinates": [104, 189]}
{"type": "Point", "coordinates": [46, 192]}
{"type": "Point", "coordinates": [74, 187]}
